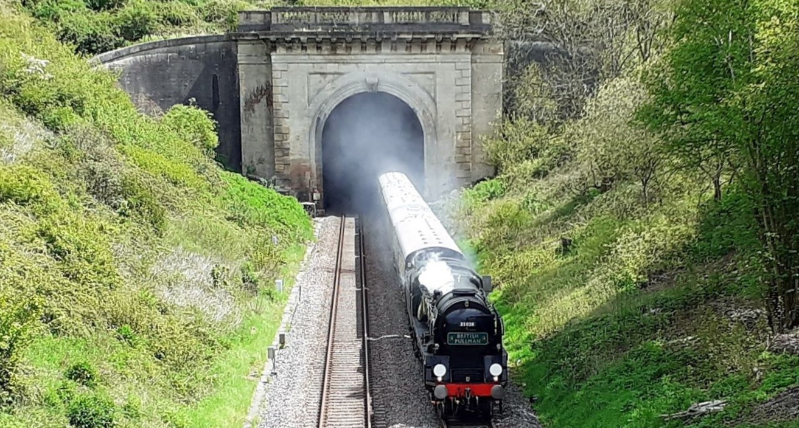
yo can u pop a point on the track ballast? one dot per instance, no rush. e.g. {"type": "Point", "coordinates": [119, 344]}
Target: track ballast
{"type": "Point", "coordinates": [345, 391]}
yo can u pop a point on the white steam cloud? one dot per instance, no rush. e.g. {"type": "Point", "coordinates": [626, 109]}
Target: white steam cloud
{"type": "Point", "coordinates": [367, 135]}
{"type": "Point", "coordinates": [436, 275]}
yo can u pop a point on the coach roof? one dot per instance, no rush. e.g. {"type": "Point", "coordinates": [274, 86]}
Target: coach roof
{"type": "Point", "coordinates": [416, 225]}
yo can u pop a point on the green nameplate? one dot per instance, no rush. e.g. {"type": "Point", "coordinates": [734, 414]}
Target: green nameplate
{"type": "Point", "coordinates": [467, 338]}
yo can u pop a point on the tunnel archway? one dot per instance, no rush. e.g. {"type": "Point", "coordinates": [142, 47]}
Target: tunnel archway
{"type": "Point", "coordinates": [365, 135]}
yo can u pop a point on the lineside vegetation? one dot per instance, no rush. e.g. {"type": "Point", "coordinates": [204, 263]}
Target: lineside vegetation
{"type": "Point", "coordinates": [641, 228]}
{"type": "Point", "coordinates": [136, 276]}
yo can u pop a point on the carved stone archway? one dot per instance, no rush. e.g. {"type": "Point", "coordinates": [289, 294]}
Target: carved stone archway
{"type": "Point", "coordinates": [422, 104]}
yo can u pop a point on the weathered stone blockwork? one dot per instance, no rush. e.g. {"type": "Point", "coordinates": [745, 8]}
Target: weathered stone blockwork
{"type": "Point", "coordinates": [161, 74]}
{"type": "Point", "coordinates": [285, 70]}
{"type": "Point", "coordinates": [441, 61]}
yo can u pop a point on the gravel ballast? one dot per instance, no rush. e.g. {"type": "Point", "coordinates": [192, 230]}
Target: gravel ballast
{"type": "Point", "coordinates": [399, 399]}
{"type": "Point", "coordinates": [293, 394]}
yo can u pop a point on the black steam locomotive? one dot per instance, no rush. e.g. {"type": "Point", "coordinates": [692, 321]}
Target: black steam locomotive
{"type": "Point", "coordinates": [457, 333]}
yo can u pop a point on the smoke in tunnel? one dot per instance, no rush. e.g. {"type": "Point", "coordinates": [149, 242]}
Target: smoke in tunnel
{"type": "Point", "coordinates": [366, 135]}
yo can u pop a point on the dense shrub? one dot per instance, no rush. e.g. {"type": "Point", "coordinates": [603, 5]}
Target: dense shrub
{"type": "Point", "coordinates": [82, 373]}
{"type": "Point", "coordinates": [20, 309]}
{"type": "Point", "coordinates": [136, 20]}
{"type": "Point", "coordinates": [96, 26]}
{"type": "Point", "coordinates": [110, 223]}
{"type": "Point", "coordinates": [194, 125]}
{"type": "Point", "coordinates": [516, 142]}
{"type": "Point", "coordinates": [100, 5]}
{"type": "Point", "coordinates": [91, 411]}
{"type": "Point", "coordinates": [54, 10]}
{"type": "Point", "coordinates": [24, 185]}
{"type": "Point", "coordinates": [484, 191]}
{"type": "Point", "coordinates": [89, 32]}
{"type": "Point", "coordinates": [175, 14]}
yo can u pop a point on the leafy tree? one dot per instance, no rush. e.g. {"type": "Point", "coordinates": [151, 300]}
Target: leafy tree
{"type": "Point", "coordinates": [532, 97]}
{"type": "Point", "coordinates": [588, 41]}
{"type": "Point", "coordinates": [609, 147]}
{"type": "Point", "coordinates": [727, 90]}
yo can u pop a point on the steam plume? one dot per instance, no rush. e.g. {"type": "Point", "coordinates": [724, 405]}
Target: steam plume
{"type": "Point", "coordinates": [366, 135]}
{"type": "Point", "coordinates": [436, 275]}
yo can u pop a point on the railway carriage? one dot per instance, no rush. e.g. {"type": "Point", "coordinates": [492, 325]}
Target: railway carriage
{"type": "Point", "coordinates": [457, 333]}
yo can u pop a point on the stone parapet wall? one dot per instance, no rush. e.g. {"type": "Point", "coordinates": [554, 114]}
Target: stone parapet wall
{"type": "Point", "coordinates": [363, 19]}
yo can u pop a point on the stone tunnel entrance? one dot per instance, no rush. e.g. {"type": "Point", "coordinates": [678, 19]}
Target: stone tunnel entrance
{"type": "Point", "coordinates": [365, 135]}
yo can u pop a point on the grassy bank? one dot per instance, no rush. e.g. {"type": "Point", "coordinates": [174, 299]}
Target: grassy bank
{"type": "Point", "coordinates": [629, 231]}
{"type": "Point", "coordinates": [136, 276]}
{"type": "Point", "coordinates": [643, 312]}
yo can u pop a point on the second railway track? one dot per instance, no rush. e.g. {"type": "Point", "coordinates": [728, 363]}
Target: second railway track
{"type": "Point", "coordinates": [346, 400]}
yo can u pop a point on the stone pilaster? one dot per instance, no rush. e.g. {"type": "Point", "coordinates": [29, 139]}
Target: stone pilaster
{"type": "Point", "coordinates": [282, 130]}
{"type": "Point", "coordinates": [487, 74]}
{"type": "Point", "coordinates": [255, 90]}
{"type": "Point", "coordinates": [463, 115]}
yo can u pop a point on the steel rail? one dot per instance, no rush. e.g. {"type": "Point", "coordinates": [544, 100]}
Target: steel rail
{"type": "Point", "coordinates": [346, 398]}
{"type": "Point", "coordinates": [364, 321]}
{"type": "Point", "coordinates": [332, 325]}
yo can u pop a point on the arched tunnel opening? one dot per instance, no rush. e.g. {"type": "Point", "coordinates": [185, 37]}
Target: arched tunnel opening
{"type": "Point", "coordinates": [366, 135]}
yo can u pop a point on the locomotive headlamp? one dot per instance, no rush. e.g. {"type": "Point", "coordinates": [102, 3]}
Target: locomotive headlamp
{"type": "Point", "coordinates": [439, 370]}
{"type": "Point", "coordinates": [495, 370]}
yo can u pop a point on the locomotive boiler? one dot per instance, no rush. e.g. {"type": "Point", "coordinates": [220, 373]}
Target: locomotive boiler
{"type": "Point", "coordinates": [457, 333]}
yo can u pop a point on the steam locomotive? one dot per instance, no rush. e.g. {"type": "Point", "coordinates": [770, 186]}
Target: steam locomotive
{"type": "Point", "coordinates": [457, 334]}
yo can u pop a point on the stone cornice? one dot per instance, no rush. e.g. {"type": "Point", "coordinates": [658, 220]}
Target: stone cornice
{"type": "Point", "coordinates": [366, 20]}
{"type": "Point", "coordinates": [382, 43]}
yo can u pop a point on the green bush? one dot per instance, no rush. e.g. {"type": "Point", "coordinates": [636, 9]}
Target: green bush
{"type": "Point", "coordinates": [91, 411]}
{"type": "Point", "coordinates": [141, 203]}
{"type": "Point", "coordinates": [54, 10]}
{"type": "Point", "coordinates": [90, 33]}
{"type": "Point", "coordinates": [126, 334]}
{"type": "Point", "coordinates": [82, 373]}
{"type": "Point", "coordinates": [136, 20]}
{"type": "Point", "coordinates": [483, 192]}
{"type": "Point", "coordinates": [82, 249]}
{"type": "Point", "coordinates": [223, 12]}
{"type": "Point", "coordinates": [100, 5]}
{"type": "Point", "coordinates": [20, 309]}
{"type": "Point", "coordinates": [175, 14]}
{"type": "Point", "coordinates": [515, 142]}
{"type": "Point", "coordinates": [24, 185]}
{"type": "Point", "coordinates": [194, 125]}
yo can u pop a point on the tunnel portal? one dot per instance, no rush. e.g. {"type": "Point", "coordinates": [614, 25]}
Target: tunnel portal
{"type": "Point", "coordinates": [366, 135]}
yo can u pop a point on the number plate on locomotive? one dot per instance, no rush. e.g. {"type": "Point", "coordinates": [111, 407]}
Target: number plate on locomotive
{"type": "Point", "coordinates": [467, 338]}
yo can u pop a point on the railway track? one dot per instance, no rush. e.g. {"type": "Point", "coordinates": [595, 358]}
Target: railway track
{"type": "Point", "coordinates": [346, 400]}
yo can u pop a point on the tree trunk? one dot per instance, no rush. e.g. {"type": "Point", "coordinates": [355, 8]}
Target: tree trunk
{"type": "Point", "coordinates": [717, 186]}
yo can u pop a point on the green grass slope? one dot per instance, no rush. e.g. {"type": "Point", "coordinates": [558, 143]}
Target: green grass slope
{"type": "Point", "coordinates": [135, 274]}
{"type": "Point", "coordinates": [621, 308]}
{"type": "Point", "coordinates": [641, 234]}
{"type": "Point", "coordinates": [96, 26]}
